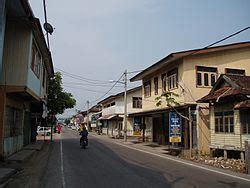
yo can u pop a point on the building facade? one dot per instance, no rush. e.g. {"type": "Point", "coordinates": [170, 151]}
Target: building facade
{"type": "Point", "coordinates": [113, 113]}
{"type": "Point", "coordinates": [190, 75]}
{"type": "Point", "coordinates": [25, 69]}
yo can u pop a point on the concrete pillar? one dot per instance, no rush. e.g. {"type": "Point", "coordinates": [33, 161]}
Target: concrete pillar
{"type": "Point", "coordinates": [2, 112]}
{"type": "Point", "coordinates": [242, 156]}
{"type": "Point", "coordinates": [225, 154]}
{"type": "Point", "coordinates": [211, 154]}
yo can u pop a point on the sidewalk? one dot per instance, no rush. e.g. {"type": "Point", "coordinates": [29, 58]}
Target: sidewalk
{"type": "Point", "coordinates": [8, 167]}
{"type": "Point", "coordinates": [133, 142]}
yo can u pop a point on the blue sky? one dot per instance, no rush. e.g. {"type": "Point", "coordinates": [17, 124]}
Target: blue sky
{"type": "Point", "coordinates": [99, 39]}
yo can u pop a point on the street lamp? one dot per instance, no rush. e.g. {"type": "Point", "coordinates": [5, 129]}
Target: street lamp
{"type": "Point", "coordinates": [125, 104]}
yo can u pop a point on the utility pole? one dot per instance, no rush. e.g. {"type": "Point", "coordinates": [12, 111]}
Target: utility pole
{"type": "Point", "coordinates": [87, 114]}
{"type": "Point", "coordinates": [46, 21]}
{"type": "Point", "coordinates": [190, 132]}
{"type": "Point", "coordinates": [125, 106]}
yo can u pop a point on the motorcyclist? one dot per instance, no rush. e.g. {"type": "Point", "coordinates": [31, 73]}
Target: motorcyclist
{"type": "Point", "coordinates": [84, 135]}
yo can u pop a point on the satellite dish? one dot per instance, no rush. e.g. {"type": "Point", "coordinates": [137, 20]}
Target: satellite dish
{"type": "Point", "coordinates": [48, 28]}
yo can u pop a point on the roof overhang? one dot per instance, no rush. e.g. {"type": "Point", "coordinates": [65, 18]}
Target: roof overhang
{"type": "Point", "coordinates": [173, 57]}
{"type": "Point", "coordinates": [160, 110]}
{"type": "Point", "coordinates": [242, 105]}
{"type": "Point", "coordinates": [21, 91]}
{"type": "Point", "coordinates": [233, 90]}
{"type": "Point", "coordinates": [109, 117]}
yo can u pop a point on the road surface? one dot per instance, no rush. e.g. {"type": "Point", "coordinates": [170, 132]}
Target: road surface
{"type": "Point", "coordinates": [107, 164]}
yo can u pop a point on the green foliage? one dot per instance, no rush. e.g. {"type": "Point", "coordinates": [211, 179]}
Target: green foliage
{"type": "Point", "coordinates": [58, 100]}
{"type": "Point", "coordinates": [169, 99]}
{"type": "Point", "coordinates": [67, 121]}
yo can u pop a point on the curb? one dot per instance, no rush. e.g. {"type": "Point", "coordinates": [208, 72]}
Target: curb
{"type": "Point", "coordinates": [6, 177]}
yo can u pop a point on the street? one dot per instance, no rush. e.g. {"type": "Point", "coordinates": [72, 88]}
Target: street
{"type": "Point", "coordinates": [106, 164]}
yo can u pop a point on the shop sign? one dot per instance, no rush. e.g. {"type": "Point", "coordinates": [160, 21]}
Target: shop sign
{"type": "Point", "coordinates": [174, 127]}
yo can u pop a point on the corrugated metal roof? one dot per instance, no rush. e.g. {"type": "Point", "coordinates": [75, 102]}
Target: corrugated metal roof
{"type": "Point", "coordinates": [237, 85]}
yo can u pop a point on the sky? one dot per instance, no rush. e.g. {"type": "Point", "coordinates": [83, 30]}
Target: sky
{"type": "Point", "coordinates": [95, 41]}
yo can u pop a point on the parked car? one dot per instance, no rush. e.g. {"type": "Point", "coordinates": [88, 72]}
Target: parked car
{"type": "Point", "coordinates": [44, 131]}
{"type": "Point", "coordinates": [73, 127]}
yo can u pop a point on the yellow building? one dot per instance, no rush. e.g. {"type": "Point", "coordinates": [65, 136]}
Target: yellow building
{"type": "Point", "coordinates": [190, 74]}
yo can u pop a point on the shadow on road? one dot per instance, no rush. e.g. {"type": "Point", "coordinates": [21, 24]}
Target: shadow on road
{"type": "Point", "coordinates": [101, 166]}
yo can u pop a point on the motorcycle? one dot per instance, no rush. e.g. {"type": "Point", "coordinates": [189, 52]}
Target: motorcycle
{"type": "Point", "coordinates": [84, 142]}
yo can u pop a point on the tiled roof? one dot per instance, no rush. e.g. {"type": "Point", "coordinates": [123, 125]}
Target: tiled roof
{"type": "Point", "coordinates": [242, 104]}
{"type": "Point", "coordinates": [242, 81]}
{"type": "Point", "coordinates": [241, 87]}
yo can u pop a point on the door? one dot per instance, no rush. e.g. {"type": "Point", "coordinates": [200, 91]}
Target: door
{"type": "Point", "coordinates": [157, 129]}
{"type": "Point", "coordinates": [26, 128]}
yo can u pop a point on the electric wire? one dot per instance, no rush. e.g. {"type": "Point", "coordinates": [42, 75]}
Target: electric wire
{"type": "Point", "coordinates": [93, 81]}
{"type": "Point", "coordinates": [85, 84]}
{"type": "Point", "coordinates": [95, 91]}
{"type": "Point", "coordinates": [214, 43]}
{"type": "Point", "coordinates": [108, 90]}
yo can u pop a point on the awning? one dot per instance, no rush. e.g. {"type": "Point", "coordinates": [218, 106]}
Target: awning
{"type": "Point", "coordinates": [159, 110]}
{"type": "Point", "coordinates": [108, 117]}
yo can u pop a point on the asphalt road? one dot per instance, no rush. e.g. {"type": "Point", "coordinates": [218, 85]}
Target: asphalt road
{"type": "Point", "coordinates": [106, 164]}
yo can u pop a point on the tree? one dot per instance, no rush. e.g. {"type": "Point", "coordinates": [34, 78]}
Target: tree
{"type": "Point", "coordinates": [169, 99]}
{"type": "Point", "coordinates": [67, 121]}
{"type": "Point", "coordinates": [58, 100]}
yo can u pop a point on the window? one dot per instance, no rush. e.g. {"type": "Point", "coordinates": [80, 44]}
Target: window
{"type": "Point", "coordinates": [235, 71]}
{"type": "Point", "coordinates": [47, 84]}
{"type": "Point", "coordinates": [213, 79]}
{"type": "Point", "coordinates": [164, 83]}
{"type": "Point", "coordinates": [113, 104]}
{"type": "Point", "coordinates": [137, 102]}
{"type": "Point", "coordinates": [198, 78]}
{"type": "Point", "coordinates": [224, 122]}
{"type": "Point", "coordinates": [206, 76]}
{"type": "Point", "coordinates": [219, 123]}
{"type": "Point", "coordinates": [172, 79]}
{"type": "Point", "coordinates": [206, 79]}
{"type": "Point", "coordinates": [245, 121]}
{"type": "Point", "coordinates": [36, 61]}
{"type": "Point", "coordinates": [156, 85]}
{"type": "Point", "coordinates": [44, 76]}
{"type": "Point", "coordinates": [147, 89]}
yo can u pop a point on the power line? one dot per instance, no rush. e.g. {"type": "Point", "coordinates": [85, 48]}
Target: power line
{"type": "Point", "coordinates": [95, 91]}
{"type": "Point", "coordinates": [134, 72]}
{"type": "Point", "coordinates": [236, 33]}
{"type": "Point", "coordinates": [93, 81]}
{"type": "Point", "coordinates": [81, 84]}
{"type": "Point", "coordinates": [108, 90]}
{"type": "Point", "coordinates": [214, 43]}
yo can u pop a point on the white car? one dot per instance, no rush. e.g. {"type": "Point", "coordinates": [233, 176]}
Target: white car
{"type": "Point", "coordinates": [73, 127]}
{"type": "Point", "coordinates": [44, 131]}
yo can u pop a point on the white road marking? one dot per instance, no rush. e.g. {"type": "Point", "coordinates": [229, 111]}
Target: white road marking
{"type": "Point", "coordinates": [62, 170]}
{"type": "Point", "coordinates": [183, 162]}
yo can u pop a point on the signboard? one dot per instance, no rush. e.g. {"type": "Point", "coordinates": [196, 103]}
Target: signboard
{"type": "Point", "coordinates": [137, 126]}
{"type": "Point", "coordinates": [174, 127]}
